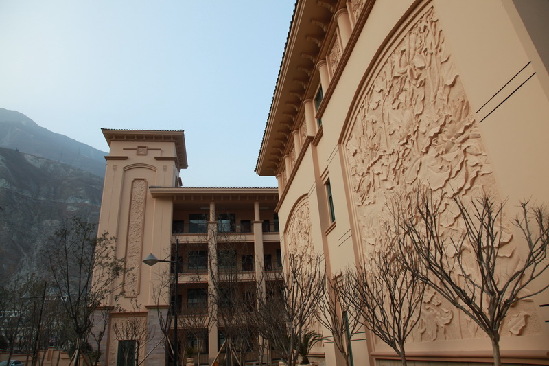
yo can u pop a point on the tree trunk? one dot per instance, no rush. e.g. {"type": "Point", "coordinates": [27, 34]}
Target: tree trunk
{"type": "Point", "coordinates": [403, 358]}
{"type": "Point", "coordinates": [496, 352]}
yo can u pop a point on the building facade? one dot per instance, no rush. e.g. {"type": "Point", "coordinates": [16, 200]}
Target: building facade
{"type": "Point", "coordinates": [375, 97]}
{"type": "Point", "coordinates": [204, 229]}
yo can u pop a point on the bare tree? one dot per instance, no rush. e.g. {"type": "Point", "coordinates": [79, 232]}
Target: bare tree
{"type": "Point", "coordinates": [336, 316]}
{"type": "Point", "coordinates": [14, 311]}
{"type": "Point", "coordinates": [162, 294]}
{"type": "Point", "coordinates": [288, 310]}
{"type": "Point", "coordinates": [101, 322]}
{"type": "Point", "coordinates": [234, 297]}
{"type": "Point", "coordinates": [467, 268]}
{"type": "Point", "coordinates": [386, 296]}
{"type": "Point", "coordinates": [77, 257]}
{"type": "Point", "coordinates": [133, 328]}
{"type": "Point", "coordinates": [194, 321]}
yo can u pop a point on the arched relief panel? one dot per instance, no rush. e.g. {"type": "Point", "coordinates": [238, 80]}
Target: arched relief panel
{"type": "Point", "coordinates": [297, 232]}
{"type": "Point", "coordinates": [410, 124]}
{"type": "Point", "coordinates": [134, 244]}
{"type": "Point", "coordinates": [140, 166]}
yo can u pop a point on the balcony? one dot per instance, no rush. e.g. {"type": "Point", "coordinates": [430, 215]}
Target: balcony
{"type": "Point", "coordinates": [223, 226]}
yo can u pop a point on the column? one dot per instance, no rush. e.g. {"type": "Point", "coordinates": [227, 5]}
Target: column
{"type": "Point", "coordinates": [297, 143]}
{"type": "Point", "coordinates": [213, 342]}
{"type": "Point", "coordinates": [310, 117]}
{"type": "Point", "coordinates": [323, 73]}
{"type": "Point", "coordinates": [258, 245]}
{"type": "Point", "coordinates": [344, 26]}
{"type": "Point", "coordinates": [259, 251]}
{"type": "Point", "coordinates": [280, 182]}
{"type": "Point", "coordinates": [288, 165]}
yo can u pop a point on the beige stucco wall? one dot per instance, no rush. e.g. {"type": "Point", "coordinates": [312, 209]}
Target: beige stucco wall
{"type": "Point", "coordinates": [493, 139]}
{"type": "Point", "coordinates": [127, 179]}
{"type": "Point", "coordinates": [140, 225]}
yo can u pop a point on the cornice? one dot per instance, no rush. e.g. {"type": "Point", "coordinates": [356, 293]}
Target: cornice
{"type": "Point", "coordinates": [216, 193]}
{"type": "Point", "coordinates": [357, 30]}
{"type": "Point", "coordinates": [297, 163]}
{"type": "Point", "coordinates": [175, 136]}
{"type": "Point", "coordinates": [306, 29]}
{"type": "Point", "coordinates": [305, 38]}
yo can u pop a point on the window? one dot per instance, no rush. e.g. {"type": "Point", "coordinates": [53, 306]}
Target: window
{"type": "Point", "coordinates": [330, 201]}
{"type": "Point", "coordinates": [226, 297]}
{"type": "Point", "coordinates": [266, 226]}
{"type": "Point", "coordinates": [225, 223]}
{"type": "Point", "coordinates": [197, 297]}
{"type": "Point", "coordinates": [268, 262]}
{"type": "Point", "coordinates": [198, 223]}
{"type": "Point", "coordinates": [250, 301]}
{"type": "Point", "coordinates": [178, 226]}
{"type": "Point", "coordinates": [221, 339]}
{"type": "Point", "coordinates": [318, 100]}
{"type": "Point", "coordinates": [245, 226]}
{"type": "Point", "coordinates": [248, 262]}
{"type": "Point", "coordinates": [127, 353]}
{"type": "Point", "coordinates": [176, 301]}
{"type": "Point", "coordinates": [226, 258]}
{"type": "Point", "coordinates": [279, 258]}
{"type": "Point", "coordinates": [198, 260]}
{"type": "Point", "coordinates": [179, 263]}
{"type": "Point", "coordinates": [276, 223]}
{"type": "Point", "coordinates": [198, 341]}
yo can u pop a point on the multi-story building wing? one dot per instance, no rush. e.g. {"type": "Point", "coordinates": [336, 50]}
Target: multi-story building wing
{"type": "Point", "coordinates": [206, 230]}
{"type": "Point", "coordinates": [375, 97]}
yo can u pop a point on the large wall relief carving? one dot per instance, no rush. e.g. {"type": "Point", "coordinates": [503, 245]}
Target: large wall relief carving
{"type": "Point", "coordinates": [134, 246]}
{"type": "Point", "coordinates": [412, 125]}
{"type": "Point", "coordinates": [297, 234]}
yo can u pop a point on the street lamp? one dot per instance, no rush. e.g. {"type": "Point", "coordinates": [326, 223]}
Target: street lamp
{"type": "Point", "coordinates": [151, 260]}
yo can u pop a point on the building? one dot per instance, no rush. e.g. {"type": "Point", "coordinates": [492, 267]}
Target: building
{"type": "Point", "coordinates": [147, 210]}
{"type": "Point", "coordinates": [375, 96]}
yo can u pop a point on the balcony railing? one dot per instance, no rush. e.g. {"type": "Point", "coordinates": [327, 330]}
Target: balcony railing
{"type": "Point", "coordinates": [247, 227]}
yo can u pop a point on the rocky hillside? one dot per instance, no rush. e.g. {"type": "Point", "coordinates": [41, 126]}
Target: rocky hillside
{"type": "Point", "coordinates": [35, 194]}
{"type": "Point", "coordinates": [19, 132]}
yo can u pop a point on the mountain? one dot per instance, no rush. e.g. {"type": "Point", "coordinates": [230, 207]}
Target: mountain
{"type": "Point", "coordinates": [19, 132]}
{"type": "Point", "coordinates": [35, 195]}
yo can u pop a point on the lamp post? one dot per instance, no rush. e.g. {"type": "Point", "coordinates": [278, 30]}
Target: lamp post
{"type": "Point", "coordinates": [151, 260]}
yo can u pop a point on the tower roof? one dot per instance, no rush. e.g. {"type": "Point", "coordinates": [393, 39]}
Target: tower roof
{"type": "Point", "coordinates": [176, 136]}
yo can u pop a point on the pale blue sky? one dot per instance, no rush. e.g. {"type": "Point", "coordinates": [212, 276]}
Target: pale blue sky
{"type": "Point", "coordinates": [207, 67]}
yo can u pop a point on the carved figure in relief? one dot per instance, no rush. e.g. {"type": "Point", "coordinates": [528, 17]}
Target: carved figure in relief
{"type": "Point", "coordinates": [435, 317]}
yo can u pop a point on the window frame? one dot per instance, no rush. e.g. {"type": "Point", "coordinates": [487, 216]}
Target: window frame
{"type": "Point", "coordinates": [330, 201]}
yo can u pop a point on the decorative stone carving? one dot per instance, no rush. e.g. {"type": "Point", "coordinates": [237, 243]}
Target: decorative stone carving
{"type": "Point", "coordinates": [135, 237]}
{"type": "Point", "coordinates": [302, 132]}
{"type": "Point", "coordinates": [410, 125]}
{"type": "Point", "coordinates": [142, 150]}
{"type": "Point", "coordinates": [297, 233]}
{"type": "Point", "coordinates": [436, 315]}
{"type": "Point", "coordinates": [356, 7]}
{"type": "Point", "coordinates": [334, 55]}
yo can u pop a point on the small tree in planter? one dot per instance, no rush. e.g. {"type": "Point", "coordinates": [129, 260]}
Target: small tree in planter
{"type": "Point", "coordinates": [305, 343]}
{"type": "Point", "coordinates": [190, 351]}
